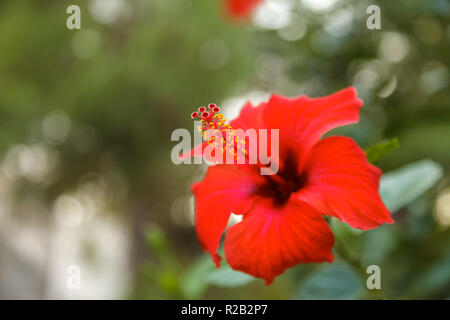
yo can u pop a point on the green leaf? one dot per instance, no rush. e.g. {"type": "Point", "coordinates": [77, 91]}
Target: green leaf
{"type": "Point", "coordinates": [377, 244]}
{"type": "Point", "coordinates": [193, 283]}
{"type": "Point", "coordinates": [379, 150]}
{"type": "Point", "coordinates": [402, 186]}
{"type": "Point", "coordinates": [341, 228]}
{"type": "Point", "coordinates": [156, 239]}
{"type": "Point", "coordinates": [227, 277]}
{"type": "Point", "coordinates": [435, 278]}
{"type": "Point", "coordinates": [346, 237]}
{"type": "Point", "coordinates": [332, 282]}
{"type": "Point", "coordinates": [203, 273]}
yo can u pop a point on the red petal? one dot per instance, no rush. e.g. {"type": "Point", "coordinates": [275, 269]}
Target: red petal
{"type": "Point", "coordinates": [271, 239]}
{"type": "Point", "coordinates": [302, 121]}
{"type": "Point", "coordinates": [342, 183]}
{"type": "Point", "coordinates": [249, 117]}
{"type": "Point", "coordinates": [241, 8]}
{"type": "Point", "coordinates": [225, 189]}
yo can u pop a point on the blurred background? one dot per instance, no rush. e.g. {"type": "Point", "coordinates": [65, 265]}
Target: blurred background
{"type": "Point", "coordinates": [86, 117]}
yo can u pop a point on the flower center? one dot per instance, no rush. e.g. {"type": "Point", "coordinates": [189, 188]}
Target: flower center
{"type": "Point", "coordinates": [279, 187]}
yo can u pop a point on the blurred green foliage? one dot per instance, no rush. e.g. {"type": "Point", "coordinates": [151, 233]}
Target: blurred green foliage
{"type": "Point", "coordinates": [126, 81]}
{"type": "Point", "coordinates": [376, 152]}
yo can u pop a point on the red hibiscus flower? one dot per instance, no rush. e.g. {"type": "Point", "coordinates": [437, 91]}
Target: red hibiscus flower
{"type": "Point", "coordinates": [282, 223]}
{"type": "Point", "coordinates": [241, 8]}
